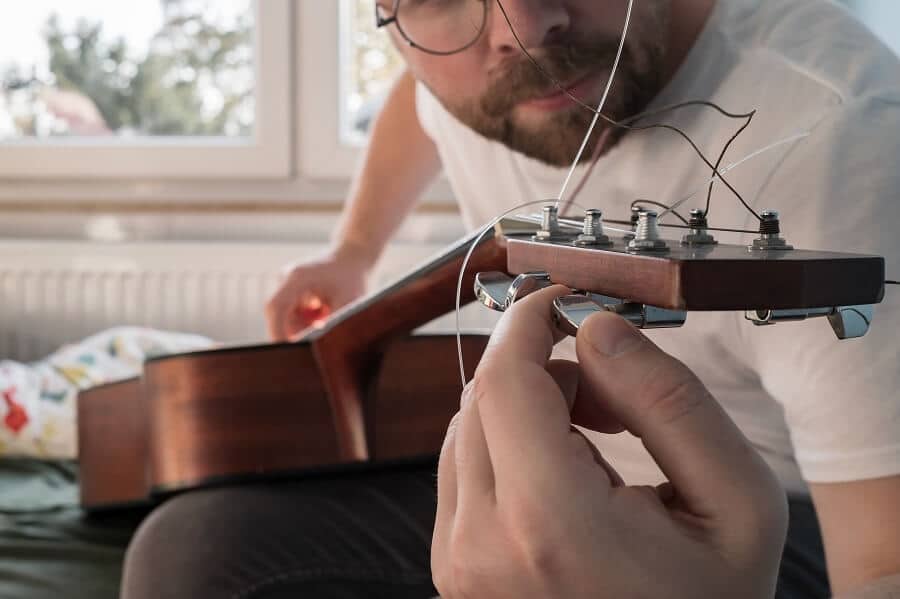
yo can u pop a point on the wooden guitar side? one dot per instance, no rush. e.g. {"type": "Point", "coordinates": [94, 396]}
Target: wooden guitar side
{"type": "Point", "coordinates": [225, 416]}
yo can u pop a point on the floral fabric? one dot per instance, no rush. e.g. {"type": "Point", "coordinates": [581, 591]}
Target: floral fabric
{"type": "Point", "coordinates": [37, 400]}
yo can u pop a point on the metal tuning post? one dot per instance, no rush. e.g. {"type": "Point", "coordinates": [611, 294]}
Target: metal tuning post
{"type": "Point", "coordinates": [550, 228]}
{"type": "Point", "coordinates": [498, 291]}
{"type": "Point", "coordinates": [570, 312]}
{"type": "Point", "coordinates": [769, 234]}
{"type": "Point", "coordinates": [592, 234]}
{"type": "Point", "coordinates": [647, 238]}
{"type": "Point", "coordinates": [699, 233]}
{"type": "Point", "coordinates": [848, 322]}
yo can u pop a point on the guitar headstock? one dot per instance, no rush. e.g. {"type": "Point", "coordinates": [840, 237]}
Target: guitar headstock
{"type": "Point", "coordinates": [655, 282]}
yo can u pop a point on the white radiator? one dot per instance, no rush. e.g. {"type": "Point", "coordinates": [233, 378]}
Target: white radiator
{"type": "Point", "coordinates": [57, 292]}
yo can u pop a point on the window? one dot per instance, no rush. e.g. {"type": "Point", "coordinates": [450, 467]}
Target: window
{"type": "Point", "coordinates": [189, 101]}
{"type": "Point", "coordinates": [161, 88]}
{"type": "Point", "coordinates": [343, 82]}
{"type": "Point", "coordinates": [143, 69]}
{"type": "Point", "coordinates": [370, 63]}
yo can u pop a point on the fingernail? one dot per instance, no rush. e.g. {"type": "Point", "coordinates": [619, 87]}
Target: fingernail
{"type": "Point", "coordinates": [611, 336]}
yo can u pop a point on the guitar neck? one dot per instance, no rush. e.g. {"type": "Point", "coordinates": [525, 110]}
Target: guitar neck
{"type": "Point", "coordinates": [420, 296]}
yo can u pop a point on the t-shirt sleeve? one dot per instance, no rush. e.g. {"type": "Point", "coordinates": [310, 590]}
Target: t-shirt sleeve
{"type": "Point", "coordinates": [840, 190]}
{"type": "Point", "coordinates": [425, 107]}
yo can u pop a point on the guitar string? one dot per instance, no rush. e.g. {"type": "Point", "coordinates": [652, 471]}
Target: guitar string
{"type": "Point", "coordinates": [674, 226]}
{"type": "Point", "coordinates": [462, 272]}
{"type": "Point", "coordinates": [660, 205]}
{"type": "Point", "coordinates": [733, 165]}
{"type": "Point", "coordinates": [626, 123]}
{"type": "Point", "coordinates": [599, 111]}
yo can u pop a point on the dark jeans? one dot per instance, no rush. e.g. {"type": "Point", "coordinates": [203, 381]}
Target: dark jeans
{"type": "Point", "coordinates": [344, 536]}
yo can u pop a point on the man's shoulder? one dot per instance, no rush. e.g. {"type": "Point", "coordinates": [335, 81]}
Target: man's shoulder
{"type": "Point", "coordinates": [816, 42]}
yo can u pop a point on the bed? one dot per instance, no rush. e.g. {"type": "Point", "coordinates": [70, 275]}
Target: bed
{"type": "Point", "coordinates": [49, 548]}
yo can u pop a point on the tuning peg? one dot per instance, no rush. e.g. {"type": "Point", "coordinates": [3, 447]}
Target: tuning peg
{"type": "Point", "coordinates": [851, 322]}
{"type": "Point", "coordinates": [498, 291]}
{"type": "Point", "coordinates": [570, 312]}
{"type": "Point", "coordinates": [525, 285]}
{"type": "Point", "coordinates": [491, 288]}
{"type": "Point", "coordinates": [848, 322]}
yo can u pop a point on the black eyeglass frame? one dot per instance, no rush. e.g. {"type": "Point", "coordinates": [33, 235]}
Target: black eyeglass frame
{"type": "Point", "coordinates": [381, 21]}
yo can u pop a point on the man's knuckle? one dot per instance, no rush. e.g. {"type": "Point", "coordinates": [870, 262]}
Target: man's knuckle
{"type": "Point", "coordinates": [529, 530]}
{"type": "Point", "coordinates": [540, 556]}
{"type": "Point", "coordinates": [668, 400]}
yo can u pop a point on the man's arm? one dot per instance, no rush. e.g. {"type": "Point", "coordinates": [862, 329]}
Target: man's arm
{"type": "Point", "coordinates": [399, 164]}
{"type": "Point", "coordinates": [860, 524]}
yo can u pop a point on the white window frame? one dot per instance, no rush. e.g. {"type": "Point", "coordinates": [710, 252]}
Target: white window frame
{"type": "Point", "coordinates": [299, 162]}
{"type": "Point", "coordinates": [267, 154]}
{"type": "Point", "coordinates": [323, 154]}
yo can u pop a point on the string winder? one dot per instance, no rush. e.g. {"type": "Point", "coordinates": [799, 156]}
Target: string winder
{"type": "Point", "coordinates": [655, 282]}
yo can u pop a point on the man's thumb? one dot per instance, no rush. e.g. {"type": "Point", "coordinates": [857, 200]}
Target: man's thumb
{"type": "Point", "coordinates": [658, 399]}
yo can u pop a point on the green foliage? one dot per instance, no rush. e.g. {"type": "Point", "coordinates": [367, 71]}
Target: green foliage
{"type": "Point", "coordinates": [195, 79]}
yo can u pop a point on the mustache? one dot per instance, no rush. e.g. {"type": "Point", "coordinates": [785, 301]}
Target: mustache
{"type": "Point", "coordinates": [522, 80]}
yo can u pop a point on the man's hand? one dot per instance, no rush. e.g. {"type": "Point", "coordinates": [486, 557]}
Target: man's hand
{"type": "Point", "coordinates": [311, 291]}
{"type": "Point", "coordinates": [528, 508]}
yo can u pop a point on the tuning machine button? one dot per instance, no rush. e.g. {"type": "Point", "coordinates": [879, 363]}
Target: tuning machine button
{"type": "Point", "coordinates": [491, 289]}
{"type": "Point", "coordinates": [570, 312]}
{"type": "Point", "coordinates": [848, 322]}
{"type": "Point", "coordinates": [498, 291]}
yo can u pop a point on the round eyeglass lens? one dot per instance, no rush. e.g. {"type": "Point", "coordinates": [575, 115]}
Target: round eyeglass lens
{"type": "Point", "coordinates": [441, 26]}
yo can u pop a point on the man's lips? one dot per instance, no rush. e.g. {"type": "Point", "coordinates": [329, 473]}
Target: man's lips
{"type": "Point", "coordinates": [583, 89]}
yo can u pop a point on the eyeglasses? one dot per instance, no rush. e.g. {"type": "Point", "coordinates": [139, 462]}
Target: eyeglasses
{"type": "Point", "coordinates": [440, 27]}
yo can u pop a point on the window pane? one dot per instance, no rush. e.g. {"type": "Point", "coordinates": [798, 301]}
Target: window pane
{"type": "Point", "coordinates": [136, 68]}
{"type": "Point", "coordinates": [369, 65]}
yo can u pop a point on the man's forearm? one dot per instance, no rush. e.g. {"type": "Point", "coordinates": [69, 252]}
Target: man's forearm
{"type": "Point", "coordinates": [883, 588]}
{"type": "Point", "coordinates": [399, 164]}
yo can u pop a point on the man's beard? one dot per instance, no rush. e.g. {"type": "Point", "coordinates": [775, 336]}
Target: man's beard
{"type": "Point", "coordinates": [557, 139]}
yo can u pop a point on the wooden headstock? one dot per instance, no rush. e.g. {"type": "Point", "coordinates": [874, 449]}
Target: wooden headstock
{"type": "Point", "coordinates": [768, 280]}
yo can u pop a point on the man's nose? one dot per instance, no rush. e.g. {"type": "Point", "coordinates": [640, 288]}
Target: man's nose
{"type": "Point", "coordinates": [537, 23]}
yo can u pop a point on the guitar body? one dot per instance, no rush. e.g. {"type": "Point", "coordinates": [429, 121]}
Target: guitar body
{"type": "Point", "coordinates": [359, 391]}
{"type": "Point", "coordinates": [245, 413]}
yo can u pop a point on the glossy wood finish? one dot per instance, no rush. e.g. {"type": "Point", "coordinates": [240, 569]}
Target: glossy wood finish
{"type": "Point", "coordinates": [723, 277]}
{"type": "Point", "coordinates": [238, 414]}
{"type": "Point", "coordinates": [112, 445]}
{"type": "Point", "coordinates": [232, 412]}
{"type": "Point", "coordinates": [344, 347]}
{"type": "Point", "coordinates": [417, 393]}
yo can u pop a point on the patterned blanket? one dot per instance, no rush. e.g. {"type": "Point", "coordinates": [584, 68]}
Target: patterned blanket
{"type": "Point", "coordinates": [37, 400]}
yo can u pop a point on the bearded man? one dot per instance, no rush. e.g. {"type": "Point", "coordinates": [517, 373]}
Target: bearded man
{"type": "Point", "coordinates": [526, 507]}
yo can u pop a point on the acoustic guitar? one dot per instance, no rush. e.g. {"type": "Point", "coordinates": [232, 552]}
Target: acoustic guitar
{"type": "Point", "coordinates": [358, 391]}
{"type": "Point", "coordinates": [362, 391]}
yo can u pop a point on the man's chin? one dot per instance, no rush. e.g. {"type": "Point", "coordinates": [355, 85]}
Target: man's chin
{"type": "Point", "coordinates": [553, 139]}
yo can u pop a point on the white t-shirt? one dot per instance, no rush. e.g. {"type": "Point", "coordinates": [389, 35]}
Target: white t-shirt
{"type": "Point", "coordinates": [817, 409]}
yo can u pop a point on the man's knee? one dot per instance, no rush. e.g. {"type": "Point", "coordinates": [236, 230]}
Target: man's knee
{"type": "Point", "coordinates": [173, 553]}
